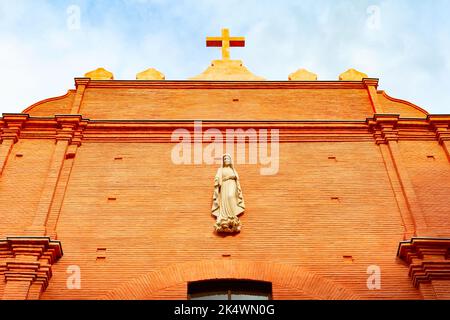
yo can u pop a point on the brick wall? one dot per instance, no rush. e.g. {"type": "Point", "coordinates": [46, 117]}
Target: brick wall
{"type": "Point", "coordinates": [22, 182]}
{"type": "Point", "coordinates": [253, 104]}
{"type": "Point", "coordinates": [139, 226]}
{"type": "Point", "coordinates": [150, 214]}
{"type": "Point", "coordinates": [429, 170]}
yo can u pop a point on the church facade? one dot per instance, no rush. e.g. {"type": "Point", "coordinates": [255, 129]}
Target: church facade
{"type": "Point", "coordinates": [107, 192]}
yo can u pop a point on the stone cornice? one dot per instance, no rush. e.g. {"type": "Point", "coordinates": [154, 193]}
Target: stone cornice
{"type": "Point", "coordinates": [202, 84]}
{"type": "Point", "coordinates": [75, 128]}
{"type": "Point", "coordinates": [443, 119]}
{"type": "Point", "coordinates": [371, 82]}
{"type": "Point", "coordinates": [384, 127]}
{"type": "Point", "coordinates": [70, 128]}
{"type": "Point", "coordinates": [428, 259]}
{"type": "Point", "coordinates": [29, 258]}
{"type": "Point", "coordinates": [39, 247]}
{"type": "Point", "coordinates": [59, 127]}
{"type": "Point", "coordinates": [419, 247]}
{"type": "Point", "coordinates": [12, 124]}
{"type": "Point", "coordinates": [440, 124]}
{"type": "Point", "coordinates": [82, 82]}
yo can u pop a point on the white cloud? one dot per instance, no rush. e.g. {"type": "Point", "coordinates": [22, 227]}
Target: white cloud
{"type": "Point", "coordinates": [40, 56]}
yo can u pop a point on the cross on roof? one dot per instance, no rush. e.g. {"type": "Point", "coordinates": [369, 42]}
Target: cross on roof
{"type": "Point", "coordinates": [225, 41]}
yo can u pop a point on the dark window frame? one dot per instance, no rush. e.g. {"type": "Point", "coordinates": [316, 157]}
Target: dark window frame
{"type": "Point", "coordinates": [229, 287]}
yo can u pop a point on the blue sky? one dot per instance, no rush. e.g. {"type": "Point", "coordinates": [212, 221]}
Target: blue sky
{"type": "Point", "coordinates": [45, 44]}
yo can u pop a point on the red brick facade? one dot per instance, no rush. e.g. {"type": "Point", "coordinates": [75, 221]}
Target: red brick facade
{"type": "Point", "coordinates": [87, 180]}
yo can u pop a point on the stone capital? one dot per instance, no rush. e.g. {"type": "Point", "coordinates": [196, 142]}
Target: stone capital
{"type": "Point", "coordinates": [82, 82]}
{"type": "Point", "coordinates": [29, 259]}
{"type": "Point", "coordinates": [371, 82]}
{"type": "Point", "coordinates": [428, 259]}
{"type": "Point", "coordinates": [440, 124]}
{"type": "Point", "coordinates": [14, 122]}
{"type": "Point", "coordinates": [439, 119]}
{"type": "Point", "coordinates": [70, 128]}
{"type": "Point", "coordinates": [384, 127]}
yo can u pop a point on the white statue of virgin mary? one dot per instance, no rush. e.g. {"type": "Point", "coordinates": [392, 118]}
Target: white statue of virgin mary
{"type": "Point", "coordinates": [228, 202]}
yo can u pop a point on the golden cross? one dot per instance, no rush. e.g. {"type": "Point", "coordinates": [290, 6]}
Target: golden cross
{"type": "Point", "coordinates": [225, 41]}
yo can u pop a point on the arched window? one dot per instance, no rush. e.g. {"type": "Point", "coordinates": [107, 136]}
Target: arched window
{"type": "Point", "coordinates": [230, 290]}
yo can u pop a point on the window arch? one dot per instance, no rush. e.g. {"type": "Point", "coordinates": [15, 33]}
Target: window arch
{"type": "Point", "coordinates": [229, 290]}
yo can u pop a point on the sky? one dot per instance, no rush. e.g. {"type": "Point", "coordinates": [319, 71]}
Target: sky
{"type": "Point", "coordinates": [44, 45]}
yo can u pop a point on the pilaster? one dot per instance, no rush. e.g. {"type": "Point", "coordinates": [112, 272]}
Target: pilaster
{"type": "Point", "coordinates": [81, 85]}
{"type": "Point", "coordinates": [69, 133]}
{"type": "Point", "coordinates": [384, 128]}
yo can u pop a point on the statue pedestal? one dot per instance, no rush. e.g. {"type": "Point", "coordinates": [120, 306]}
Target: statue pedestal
{"type": "Point", "coordinates": [232, 225]}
